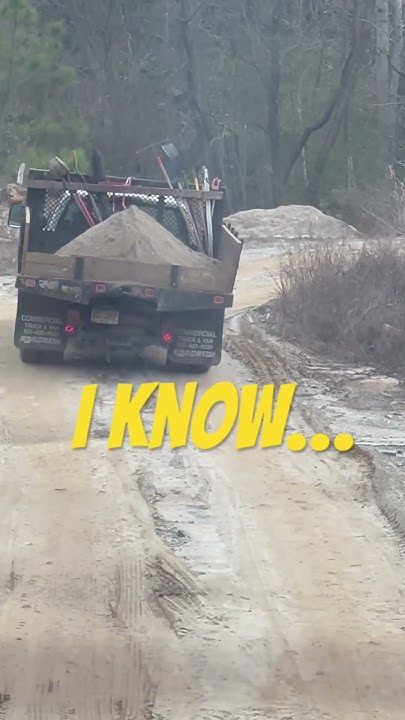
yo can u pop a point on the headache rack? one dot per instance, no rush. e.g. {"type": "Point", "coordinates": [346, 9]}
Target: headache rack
{"type": "Point", "coordinates": [40, 179]}
{"type": "Point", "coordinates": [181, 211]}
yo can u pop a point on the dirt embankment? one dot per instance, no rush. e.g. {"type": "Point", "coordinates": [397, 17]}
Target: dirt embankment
{"type": "Point", "coordinates": [350, 293]}
{"type": "Point", "coordinates": [350, 302]}
{"type": "Point", "coordinates": [336, 290]}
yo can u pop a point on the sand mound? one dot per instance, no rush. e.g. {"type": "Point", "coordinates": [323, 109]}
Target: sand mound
{"type": "Point", "coordinates": [290, 222]}
{"type": "Point", "coordinates": [135, 236]}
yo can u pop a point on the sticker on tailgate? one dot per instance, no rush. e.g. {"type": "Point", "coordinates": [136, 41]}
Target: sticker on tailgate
{"type": "Point", "coordinates": [196, 343]}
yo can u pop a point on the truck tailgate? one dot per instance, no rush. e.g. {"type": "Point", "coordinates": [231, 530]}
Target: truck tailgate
{"type": "Point", "coordinates": [47, 266]}
{"type": "Point", "coordinates": [83, 293]}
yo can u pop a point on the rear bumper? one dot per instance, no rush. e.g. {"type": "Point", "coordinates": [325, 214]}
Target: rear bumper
{"type": "Point", "coordinates": [105, 341]}
{"type": "Point", "coordinates": [195, 335]}
{"type": "Point", "coordinates": [168, 300]}
{"type": "Point", "coordinates": [106, 344]}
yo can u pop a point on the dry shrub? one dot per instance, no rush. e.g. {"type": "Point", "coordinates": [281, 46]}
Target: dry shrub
{"type": "Point", "coordinates": [350, 299]}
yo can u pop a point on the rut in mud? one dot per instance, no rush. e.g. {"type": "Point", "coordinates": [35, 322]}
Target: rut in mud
{"type": "Point", "coordinates": [183, 585]}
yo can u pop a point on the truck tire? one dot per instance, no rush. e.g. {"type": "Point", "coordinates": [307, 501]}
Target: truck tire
{"type": "Point", "coordinates": [199, 369]}
{"type": "Point", "coordinates": [36, 356]}
{"type": "Point", "coordinates": [29, 356]}
{"type": "Point", "coordinates": [179, 367]}
{"type": "Point", "coordinates": [54, 357]}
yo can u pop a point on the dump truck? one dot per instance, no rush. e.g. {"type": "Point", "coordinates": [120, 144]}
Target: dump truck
{"type": "Point", "coordinates": [106, 306]}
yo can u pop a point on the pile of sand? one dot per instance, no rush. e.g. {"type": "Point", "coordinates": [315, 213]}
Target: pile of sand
{"type": "Point", "coordinates": [134, 235]}
{"type": "Point", "coordinates": [290, 222]}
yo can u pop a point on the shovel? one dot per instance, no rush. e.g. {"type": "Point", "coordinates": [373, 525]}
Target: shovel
{"type": "Point", "coordinates": [93, 203]}
{"type": "Point", "coordinates": [208, 213]}
{"type": "Point", "coordinates": [172, 174]}
{"type": "Point", "coordinates": [173, 165]}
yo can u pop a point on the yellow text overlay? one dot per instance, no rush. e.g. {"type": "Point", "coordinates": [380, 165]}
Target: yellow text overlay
{"type": "Point", "coordinates": [258, 417]}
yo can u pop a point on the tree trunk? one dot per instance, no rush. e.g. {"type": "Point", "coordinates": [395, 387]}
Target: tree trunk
{"type": "Point", "coordinates": [200, 118]}
{"type": "Point", "coordinates": [389, 48]}
{"type": "Point", "coordinates": [273, 113]}
{"type": "Point", "coordinates": [397, 46]}
{"type": "Point", "coordinates": [5, 95]}
{"type": "Point", "coordinates": [347, 75]}
{"type": "Point", "coordinates": [329, 143]}
{"type": "Point", "coordinates": [382, 83]}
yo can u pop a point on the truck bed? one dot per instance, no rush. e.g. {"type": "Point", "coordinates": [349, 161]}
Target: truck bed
{"type": "Point", "coordinates": [79, 279]}
{"type": "Point", "coordinates": [107, 305]}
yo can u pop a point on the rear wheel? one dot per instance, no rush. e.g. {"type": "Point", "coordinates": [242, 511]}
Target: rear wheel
{"type": "Point", "coordinates": [179, 367]}
{"type": "Point", "coordinates": [37, 356]}
{"type": "Point", "coordinates": [199, 369]}
{"type": "Point", "coordinates": [29, 356]}
{"type": "Point", "coordinates": [54, 357]}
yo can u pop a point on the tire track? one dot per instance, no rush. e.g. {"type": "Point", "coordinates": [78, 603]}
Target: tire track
{"type": "Point", "coordinates": [269, 365]}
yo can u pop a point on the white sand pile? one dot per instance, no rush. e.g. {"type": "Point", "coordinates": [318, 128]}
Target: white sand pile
{"type": "Point", "coordinates": [134, 235]}
{"type": "Point", "coordinates": [290, 222]}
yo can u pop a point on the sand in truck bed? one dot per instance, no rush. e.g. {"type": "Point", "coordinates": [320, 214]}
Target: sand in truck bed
{"type": "Point", "coordinates": [135, 236]}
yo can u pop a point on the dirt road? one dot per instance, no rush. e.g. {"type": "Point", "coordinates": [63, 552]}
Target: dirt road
{"type": "Point", "coordinates": [185, 585]}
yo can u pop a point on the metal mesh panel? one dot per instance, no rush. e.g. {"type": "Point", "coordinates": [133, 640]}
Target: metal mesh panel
{"type": "Point", "coordinates": [53, 207]}
{"type": "Point", "coordinates": [173, 214]}
{"type": "Point", "coordinates": [183, 219]}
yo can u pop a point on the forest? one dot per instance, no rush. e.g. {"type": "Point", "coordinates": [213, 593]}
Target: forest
{"type": "Point", "coordinates": [287, 101]}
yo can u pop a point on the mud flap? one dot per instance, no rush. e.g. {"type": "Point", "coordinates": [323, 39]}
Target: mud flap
{"type": "Point", "coordinates": [197, 338]}
{"type": "Point", "coordinates": [39, 323]}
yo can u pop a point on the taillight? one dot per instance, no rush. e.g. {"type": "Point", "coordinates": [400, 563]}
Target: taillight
{"type": "Point", "coordinates": [167, 337]}
{"type": "Point", "coordinates": [70, 329]}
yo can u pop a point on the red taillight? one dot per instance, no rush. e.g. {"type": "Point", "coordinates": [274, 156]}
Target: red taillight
{"type": "Point", "coordinates": [69, 329]}
{"type": "Point", "coordinates": [30, 282]}
{"type": "Point", "coordinates": [167, 337]}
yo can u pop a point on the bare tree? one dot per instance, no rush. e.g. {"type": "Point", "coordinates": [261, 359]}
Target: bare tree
{"type": "Point", "coordinates": [389, 49]}
{"type": "Point", "coordinates": [266, 92]}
